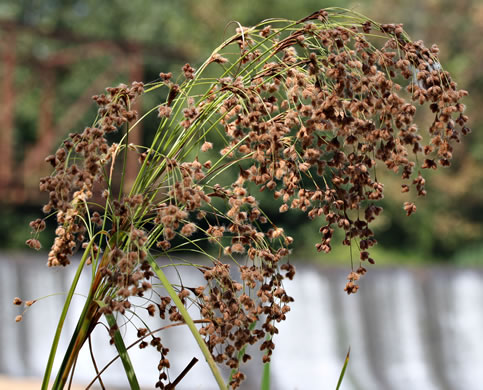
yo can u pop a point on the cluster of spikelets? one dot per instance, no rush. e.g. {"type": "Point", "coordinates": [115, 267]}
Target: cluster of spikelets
{"type": "Point", "coordinates": [306, 110]}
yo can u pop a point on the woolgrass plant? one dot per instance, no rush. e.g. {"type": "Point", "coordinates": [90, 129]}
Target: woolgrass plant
{"type": "Point", "coordinates": [308, 110]}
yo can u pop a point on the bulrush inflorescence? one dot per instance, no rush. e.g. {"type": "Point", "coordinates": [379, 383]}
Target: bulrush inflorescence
{"type": "Point", "coordinates": [307, 110]}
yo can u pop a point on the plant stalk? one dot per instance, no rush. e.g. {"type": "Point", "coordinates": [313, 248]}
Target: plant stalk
{"type": "Point", "coordinates": [189, 321]}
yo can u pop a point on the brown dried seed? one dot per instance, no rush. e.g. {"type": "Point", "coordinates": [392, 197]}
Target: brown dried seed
{"type": "Point", "coordinates": [410, 208]}
{"type": "Point", "coordinates": [206, 146]}
{"type": "Point", "coordinates": [34, 244]}
{"type": "Point", "coordinates": [151, 310]}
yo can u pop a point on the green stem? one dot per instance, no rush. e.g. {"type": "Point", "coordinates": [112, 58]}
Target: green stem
{"type": "Point", "coordinates": [265, 385]}
{"type": "Point", "coordinates": [189, 321]}
{"type": "Point", "coordinates": [82, 331]}
{"type": "Point", "coordinates": [55, 342]}
{"type": "Point", "coordinates": [341, 377]}
{"type": "Point", "coordinates": [121, 349]}
{"type": "Point", "coordinates": [266, 377]}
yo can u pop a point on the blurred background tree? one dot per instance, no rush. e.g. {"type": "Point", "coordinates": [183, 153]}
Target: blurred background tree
{"type": "Point", "coordinates": [56, 54]}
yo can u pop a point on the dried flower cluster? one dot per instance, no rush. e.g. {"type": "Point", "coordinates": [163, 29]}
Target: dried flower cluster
{"type": "Point", "coordinates": [316, 121]}
{"type": "Point", "coordinates": [71, 186]}
{"type": "Point", "coordinates": [306, 111]}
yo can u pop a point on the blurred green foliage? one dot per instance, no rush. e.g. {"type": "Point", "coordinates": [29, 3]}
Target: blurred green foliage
{"type": "Point", "coordinates": [448, 224]}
